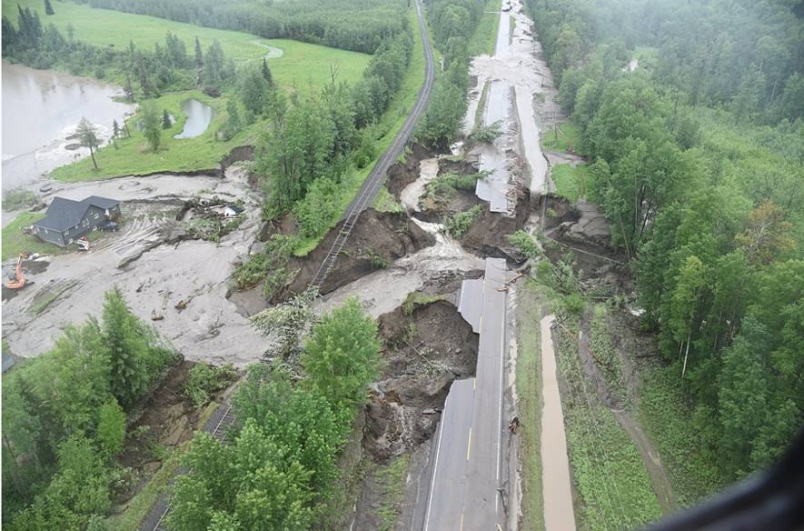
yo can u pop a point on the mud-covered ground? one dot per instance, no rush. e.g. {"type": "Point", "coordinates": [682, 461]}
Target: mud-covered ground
{"type": "Point", "coordinates": [177, 284]}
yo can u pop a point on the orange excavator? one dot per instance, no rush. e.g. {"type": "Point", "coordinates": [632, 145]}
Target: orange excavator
{"type": "Point", "coordinates": [17, 281]}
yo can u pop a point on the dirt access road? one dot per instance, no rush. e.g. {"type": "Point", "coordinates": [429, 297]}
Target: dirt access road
{"type": "Point", "coordinates": [183, 282]}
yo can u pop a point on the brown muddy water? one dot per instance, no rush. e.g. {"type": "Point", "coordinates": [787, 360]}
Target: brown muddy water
{"type": "Point", "coordinates": [558, 511]}
{"type": "Point", "coordinates": [41, 108]}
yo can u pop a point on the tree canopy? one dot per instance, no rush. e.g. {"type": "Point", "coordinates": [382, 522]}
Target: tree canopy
{"type": "Point", "coordinates": [695, 166]}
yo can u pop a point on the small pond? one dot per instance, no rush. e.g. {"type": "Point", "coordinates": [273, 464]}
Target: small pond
{"type": "Point", "coordinates": [199, 116]}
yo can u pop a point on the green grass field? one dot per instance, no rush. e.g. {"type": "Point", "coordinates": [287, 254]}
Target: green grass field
{"type": "Point", "coordinates": [564, 138]}
{"type": "Point", "coordinates": [15, 241]}
{"type": "Point", "coordinates": [305, 67]}
{"type": "Point", "coordinates": [529, 393]}
{"type": "Point", "coordinates": [574, 182]}
{"type": "Point", "coordinates": [133, 156]}
{"type": "Point", "coordinates": [485, 36]}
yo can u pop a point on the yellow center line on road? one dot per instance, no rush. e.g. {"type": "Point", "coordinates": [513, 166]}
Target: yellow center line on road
{"type": "Point", "coordinates": [469, 446]}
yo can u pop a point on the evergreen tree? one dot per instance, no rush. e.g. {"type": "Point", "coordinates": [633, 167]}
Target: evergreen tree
{"type": "Point", "coordinates": [115, 129]}
{"type": "Point", "coordinates": [253, 92]}
{"type": "Point", "coordinates": [166, 123]}
{"type": "Point", "coordinates": [88, 136]}
{"type": "Point", "coordinates": [266, 73]}
{"type": "Point", "coordinates": [49, 8]}
{"type": "Point", "coordinates": [127, 348]}
{"type": "Point", "coordinates": [234, 123]}
{"type": "Point", "coordinates": [199, 55]}
{"type": "Point", "coordinates": [151, 125]}
{"type": "Point", "coordinates": [213, 67]}
{"type": "Point", "coordinates": [9, 36]}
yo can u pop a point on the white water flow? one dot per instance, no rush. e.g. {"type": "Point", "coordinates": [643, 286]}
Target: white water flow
{"type": "Point", "coordinates": [385, 290]}
{"type": "Point", "coordinates": [412, 194]}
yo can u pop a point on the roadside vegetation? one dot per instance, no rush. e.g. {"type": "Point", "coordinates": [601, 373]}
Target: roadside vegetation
{"type": "Point", "coordinates": [574, 182]}
{"type": "Point", "coordinates": [613, 484]}
{"type": "Point", "coordinates": [564, 138]}
{"type": "Point", "coordinates": [64, 419]}
{"type": "Point", "coordinates": [485, 36]}
{"type": "Point", "coordinates": [697, 165]}
{"type": "Point", "coordinates": [530, 404]}
{"type": "Point", "coordinates": [294, 418]}
{"type": "Point", "coordinates": [454, 24]}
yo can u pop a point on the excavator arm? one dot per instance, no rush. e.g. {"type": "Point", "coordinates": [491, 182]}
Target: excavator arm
{"type": "Point", "coordinates": [19, 281]}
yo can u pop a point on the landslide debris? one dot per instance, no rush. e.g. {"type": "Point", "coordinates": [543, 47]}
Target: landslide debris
{"type": "Point", "coordinates": [427, 346]}
{"type": "Point", "coordinates": [377, 240]}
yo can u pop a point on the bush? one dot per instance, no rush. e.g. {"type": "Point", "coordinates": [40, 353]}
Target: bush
{"type": "Point", "coordinates": [486, 134]}
{"type": "Point", "coordinates": [573, 304]}
{"type": "Point", "coordinates": [19, 199]}
{"type": "Point", "coordinates": [206, 380]}
{"type": "Point", "coordinates": [377, 259]}
{"type": "Point", "coordinates": [524, 244]}
{"type": "Point", "coordinates": [457, 225]}
{"type": "Point", "coordinates": [274, 257]}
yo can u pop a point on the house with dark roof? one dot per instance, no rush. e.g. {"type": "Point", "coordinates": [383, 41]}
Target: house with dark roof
{"type": "Point", "coordinates": [67, 220]}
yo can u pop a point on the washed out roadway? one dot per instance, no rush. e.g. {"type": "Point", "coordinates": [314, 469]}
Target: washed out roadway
{"type": "Point", "coordinates": [466, 459]}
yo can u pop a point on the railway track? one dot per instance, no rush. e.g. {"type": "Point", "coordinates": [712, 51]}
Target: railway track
{"type": "Point", "coordinates": [220, 422]}
{"type": "Point", "coordinates": [376, 178]}
{"type": "Point", "coordinates": [217, 427]}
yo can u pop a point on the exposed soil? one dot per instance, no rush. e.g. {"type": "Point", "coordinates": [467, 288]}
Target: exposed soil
{"type": "Point", "coordinates": [487, 236]}
{"type": "Point", "coordinates": [167, 419]}
{"type": "Point", "coordinates": [424, 352]}
{"type": "Point", "coordinates": [154, 268]}
{"type": "Point", "coordinates": [582, 232]}
{"type": "Point", "coordinates": [377, 240]}
{"type": "Point", "coordinates": [402, 174]}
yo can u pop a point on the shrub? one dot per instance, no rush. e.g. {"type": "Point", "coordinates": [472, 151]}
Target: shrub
{"type": "Point", "coordinates": [206, 380]}
{"type": "Point", "coordinates": [19, 199]}
{"type": "Point", "coordinates": [457, 225]}
{"type": "Point", "coordinates": [524, 244]}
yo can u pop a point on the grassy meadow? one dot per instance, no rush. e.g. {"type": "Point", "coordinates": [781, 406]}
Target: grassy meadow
{"type": "Point", "coordinates": [302, 66]}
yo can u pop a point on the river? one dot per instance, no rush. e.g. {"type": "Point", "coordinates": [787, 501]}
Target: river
{"type": "Point", "coordinates": [41, 108]}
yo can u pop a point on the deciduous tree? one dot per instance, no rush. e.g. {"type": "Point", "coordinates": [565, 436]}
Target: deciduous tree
{"type": "Point", "coordinates": [342, 354]}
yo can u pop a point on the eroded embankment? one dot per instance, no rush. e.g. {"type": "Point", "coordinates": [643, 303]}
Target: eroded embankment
{"type": "Point", "coordinates": [377, 240]}
{"type": "Point", "coordinates": [426, 349]}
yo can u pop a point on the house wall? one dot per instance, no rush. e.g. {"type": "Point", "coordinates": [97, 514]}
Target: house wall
{"type": "Point", "coordinates": [94, 217]}
{"type": "Point", "coordinates": [50, 235]}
